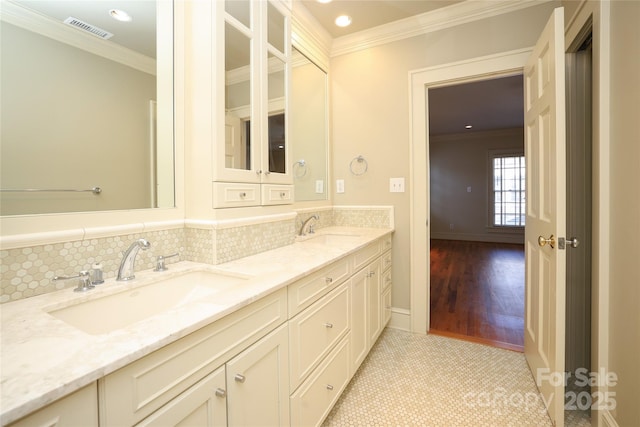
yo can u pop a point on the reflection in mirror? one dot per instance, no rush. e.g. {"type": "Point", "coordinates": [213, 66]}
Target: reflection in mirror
{"type": "Point", "coordinates": [237, 99]}
{"type": "Point", "coordinates": [79, 111]}
{"type": "Point", "coordinates": [276, 122]}
{"type": "Point", "coordinates": [309, 129]}
{"type": "Point", "coordinates": [275, 28]}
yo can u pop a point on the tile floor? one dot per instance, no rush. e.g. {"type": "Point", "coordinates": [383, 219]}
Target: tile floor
{"type": "Point", "coordinates": [417, 380]}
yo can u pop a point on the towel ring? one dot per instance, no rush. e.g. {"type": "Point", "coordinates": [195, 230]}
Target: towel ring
{"type": "Point", "coordinates": [359, 167]}
{"type": "Point", "coordinates": [301, 169]}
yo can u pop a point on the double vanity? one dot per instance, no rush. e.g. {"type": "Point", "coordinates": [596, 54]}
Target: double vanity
{"type": "Point", "coordinates": [270, 339]}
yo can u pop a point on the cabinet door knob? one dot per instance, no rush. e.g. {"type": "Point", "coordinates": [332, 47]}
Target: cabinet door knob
{"type": "Point", "coordinates": [239, 378]}
{"type": "Point", "coordinates": [220, 392]}
{"type": "Point", "coordinates": [328, 280]}
{"type": "Point", "coordinates": [329, 387]}
{"type": "Point", "coordinates": [328, 325]}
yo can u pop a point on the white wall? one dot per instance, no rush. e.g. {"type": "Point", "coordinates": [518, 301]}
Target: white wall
{"type": "Point", "coordinates": [82, 104]}
{"type": "Point", "coordinates": [624, 284]}
{"type": "Point", "coordinates": [370, 111]}
{"type": "Point", "coordinates": [459, 161]}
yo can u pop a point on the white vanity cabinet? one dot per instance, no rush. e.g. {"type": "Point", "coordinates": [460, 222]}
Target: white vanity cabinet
{"type": "Point", "coordinates": [238, 72]}
{"type": "Point", "coordinates": [371, 296]}
{"type": "Point", "coordinates": [78, 409]}
{"type": "Point", "coordinates": [185, 374]}
{"type": "Point", "coordinates": [336, 315]}
{"type": "Point", "coordinates": [251, 389]}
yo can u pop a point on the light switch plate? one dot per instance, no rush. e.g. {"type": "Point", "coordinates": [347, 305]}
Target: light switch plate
{"type": "Point", "coordinates": [340, 186]}
{"type": "Point", "coordinates": [396, 185]}
{"type": "Point", "coordinates": [319, 186]}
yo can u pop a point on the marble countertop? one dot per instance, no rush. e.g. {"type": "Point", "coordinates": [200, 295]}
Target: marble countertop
{"type": "Point", "coordinates": [43, 358]}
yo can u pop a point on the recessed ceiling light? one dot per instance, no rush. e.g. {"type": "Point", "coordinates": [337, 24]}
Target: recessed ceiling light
{"type": "Point", "coordinates": [120, 15]}
{"type": "Point", "coordinates": [324, 1]}
{"type": "Point", "coordinates": [343, 21]}
{"type": "Point", "coordinates": [468, 127]}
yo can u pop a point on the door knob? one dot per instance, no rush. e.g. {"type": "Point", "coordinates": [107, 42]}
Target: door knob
{"type": "Point", "coordinates": [573, 242]}
{"type": "Point", "coordinates": [551, 241]}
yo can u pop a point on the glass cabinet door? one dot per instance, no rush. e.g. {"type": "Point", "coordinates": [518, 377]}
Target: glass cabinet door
{"type": "Point", "coordinates": [276, 155]}
{"type": "Point", "coordinates": [238, 85]}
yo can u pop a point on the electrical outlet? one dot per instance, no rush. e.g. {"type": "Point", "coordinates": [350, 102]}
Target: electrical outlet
{"type": "Point", "coordinates": [319, 186]}
{"type": "Point", "coordinates": [339, 185]}
{"type": "Point", "coordinates": [451, 226]}
{"type": "Point", "coordinates": [396, 185]}
{"type": "Point", "coordinates": [469, 189]}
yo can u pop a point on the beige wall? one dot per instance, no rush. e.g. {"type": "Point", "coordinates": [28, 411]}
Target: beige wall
{"type": "Point", "coordinates": [58, 100]}
{"type": "Point", "coordinates": [459, 161]}
{"type": "Point", "coordinates": [370, 111]}
{"type": "Point", "coordinates": [624, 285]}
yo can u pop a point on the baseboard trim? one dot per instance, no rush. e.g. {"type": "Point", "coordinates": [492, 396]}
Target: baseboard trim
{"type": "Point", "coordinates": [493, 238]}
{"type": "Point", "coordinates": [400, 319]}
{"type": "Point", "coordinates": [478, 340]}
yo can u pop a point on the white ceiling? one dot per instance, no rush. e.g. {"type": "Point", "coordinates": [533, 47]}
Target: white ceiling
{"type": "Point", "coordinates": [138, 35]}
{"type": "Point", "coordinates": [368, 14]}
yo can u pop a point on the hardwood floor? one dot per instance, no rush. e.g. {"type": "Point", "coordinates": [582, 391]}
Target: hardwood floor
{"type": "Point", "coordinates": [477, 292]}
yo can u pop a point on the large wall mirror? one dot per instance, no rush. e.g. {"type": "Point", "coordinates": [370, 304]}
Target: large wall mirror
{"type": "Point", "coordinates": [87, 101]}
{"type": "Point", "coordinates": [309, 128]}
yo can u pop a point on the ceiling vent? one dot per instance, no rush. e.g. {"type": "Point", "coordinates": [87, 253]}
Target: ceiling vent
{"type": "Point", "coordinates": [92, 29]}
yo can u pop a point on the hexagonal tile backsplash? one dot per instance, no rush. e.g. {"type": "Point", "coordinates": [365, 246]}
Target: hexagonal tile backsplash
{"type": "Point", "coordinates": [29, 271]}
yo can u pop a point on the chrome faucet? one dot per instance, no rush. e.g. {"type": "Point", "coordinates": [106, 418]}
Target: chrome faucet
{"type": "Point", "coordinates": [125, 272]}
{"type": "Point", "coordinates": [307, 223]}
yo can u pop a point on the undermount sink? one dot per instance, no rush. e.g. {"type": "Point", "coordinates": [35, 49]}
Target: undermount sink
{"type": "Point", "coordinates": [330, 238]}
{"type": "Point", "coordinates": [112, 312]}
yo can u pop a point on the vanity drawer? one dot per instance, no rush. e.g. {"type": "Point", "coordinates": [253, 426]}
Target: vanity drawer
{"type": "Point", "coordinates": [306, 291]}
{"type": "Point", "coordinates": [386, 261]}
{"type": "Point", "coordinates": [79, 408]}
{"type": "Point", "coordinates": [386, 242]}
{"type": "Point", "coordinates": [312, 402]}
{"type": "Point", "coordinates": [232, 194]}
{"type": "Point", "coordinates": [386, 279]}
{"type": "Point", "coordinates": [386, 307]}
{"type": "Point", "coordinates": [367, 254]}
{"type": "Point", "coordinates": [132, 393]}
{"type": "Point", "coordinates": [273, 194]}
{"type": "Point", "coordinates": [315, 331]}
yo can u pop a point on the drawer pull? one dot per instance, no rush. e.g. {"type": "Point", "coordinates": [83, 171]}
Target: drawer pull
{"type": "Point", "coordinates": [329, 387]}
{"type": "Point", "coordinates": [221, 392]}
{"type": "Point", "coordinates": [328, 280]}
{"type": "Point", "coordinates": [239, 378]}
{"type": "Point", "coordinates": [283, 194]}
{"type": "Point", "coordinates": [328, 325]}
{"type": "Point", "coordinates": [243, 195]}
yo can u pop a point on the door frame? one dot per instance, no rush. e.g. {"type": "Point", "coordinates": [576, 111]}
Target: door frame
{"type": "Point", "coordinates": [597, 14]}
{"type": "Point", "coordinates": [420, 81]}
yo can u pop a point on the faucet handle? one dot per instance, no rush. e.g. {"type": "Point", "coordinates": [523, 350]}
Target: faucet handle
{"type": "Point", "coordinates": [84, 284]}
{"type": "Point", "coordinates": [160, 261]}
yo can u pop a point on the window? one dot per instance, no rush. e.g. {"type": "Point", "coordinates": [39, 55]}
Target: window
{"type": "Point", "coordinates": [508, 190]}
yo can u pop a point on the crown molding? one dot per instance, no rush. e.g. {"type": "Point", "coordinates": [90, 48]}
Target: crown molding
{"type": "Point", "coordinates": [45, 26]}
{"type": "Point", "coordinates": [309, 37]}
{"type": "Point", "coordinates": [436, 20]}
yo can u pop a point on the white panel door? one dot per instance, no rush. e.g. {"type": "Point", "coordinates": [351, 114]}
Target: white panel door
{"type": "Point", "coordinates": [545, 261]}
